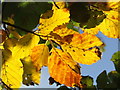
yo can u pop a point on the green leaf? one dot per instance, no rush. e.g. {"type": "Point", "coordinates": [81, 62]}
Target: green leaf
{"type": "Point", "coordinates": [87, 82]}
{"type": "Point", "coordinates": [102, 80]}
{"type": "Point", "coordinates": [96, 17]}
{"type": "Point", "coordinates": [79, 12]}
{"type": "Point", "coordinates": [115, 78]}
{"type": "Point", "coordinates": [25, 14]}
{"type": "Point", "coordinates": [73, 25]}
{"type": "Point", "coordinates": [116, 60]}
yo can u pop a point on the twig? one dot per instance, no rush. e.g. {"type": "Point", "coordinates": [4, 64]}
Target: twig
{"type": "Point", "coordinates": [56, 4]}
{"type": "Point", "coordinates": [23, 29]}
{"type": "Point", "coordinates": [8, 88]}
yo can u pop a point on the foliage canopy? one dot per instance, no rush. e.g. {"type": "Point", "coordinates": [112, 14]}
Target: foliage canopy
{"type": "Point", "coordinates": [56, 42]}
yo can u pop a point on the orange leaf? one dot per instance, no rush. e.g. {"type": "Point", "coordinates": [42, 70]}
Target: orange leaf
{"type": "Point", "coordinates": [63, 69]}
{"type": "Point", "coordinates": [83, 48]}
{"type": "Point", "coordinates": [39, 56]}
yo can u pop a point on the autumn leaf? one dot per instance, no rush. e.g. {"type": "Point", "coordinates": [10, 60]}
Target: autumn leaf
{"type": "Point", "coordinates": [39, 56]}
{"type": "Point", "coordinates": [2, 35]}
{"type": "Point", "coordinates": [114, 5]}
{"type": "Point", "coordinates": [62, 30]}
{"type": "Point", "coordinates": [12, 70]}
{"type": "Point", "coordinates": [12, 29]}
{"type": "Point", "coordinates": [83, 48]}
{"type": "Point", "coordinates": [63, 69]}
{"type": "Point", "coordinates": [59, 33]}
{"type": "Point", "coordinates": [59, 17]}
{"type": "Point", "coordinates": [30, 76]}
{"type": "Point", "coordinates": [60, 5]}
{"type": "Point", "coordinates": [110, 25]}
{"type": "Point", "coordinates": [11, 21]}
{"type": "Point", "coordinates": [10, 43]}
{"type": "Point", "coordinates": [24, 45]}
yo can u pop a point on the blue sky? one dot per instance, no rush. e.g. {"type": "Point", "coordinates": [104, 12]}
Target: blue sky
{"type": "Point", "coordinates": [92, 70]}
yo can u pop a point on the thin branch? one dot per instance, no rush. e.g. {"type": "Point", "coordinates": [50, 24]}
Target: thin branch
{"type": "Point", "coordinates": [23, 29]}
{"type": "Point", "coordinates": [56, 4]}
{"type": "Point", "coordinates": [7, 87]}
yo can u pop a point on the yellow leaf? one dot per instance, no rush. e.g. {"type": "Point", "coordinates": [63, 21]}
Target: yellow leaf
{"type": "Point", "coordinates": [59, 17]}
{"type": "Point", "coordinates": [114, 5]}
{"type": "Point", "coordinates": [1, 46]}
{"type": "Point", "coordinates": [15, 34]}
{"type": "Point", "coordinates": [10, 43]}
{"type": "Point", "coordinates": [62, 30]}
{"type": "Point", "coordinates": [39, 56]}
{"type": "Point", "coordinates": [82, 48]}
{"type": "Point", "coordinates": [63, 69]}
{"type": "Point", "coordinates": [92, 31]}
{"type": "Point", "coordinates": [12, 70]}
{"type": "Point", "coordinates": [30, 75]}
{"type": "Point", "coordinates": [24, 46]}
{"type": "Point", "coordinates": [59, 33]}
{"type": "Point", "coordinates": [110, 25]}
{"type": "Point", "coordinates": [11, 21]}
{"type": "Point", "coordinates": [60, 4]}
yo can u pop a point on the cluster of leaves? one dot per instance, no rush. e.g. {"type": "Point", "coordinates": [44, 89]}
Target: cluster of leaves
{"type": "Point", "coordinates": [24, 54]}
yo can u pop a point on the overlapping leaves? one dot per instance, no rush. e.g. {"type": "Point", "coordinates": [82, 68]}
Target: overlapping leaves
{"type": "Point", "coordinates": [27, 54]}
{"type": "Point", "coordinates": [110, 25]}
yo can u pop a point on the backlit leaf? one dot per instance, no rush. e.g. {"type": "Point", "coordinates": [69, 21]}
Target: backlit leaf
{"type": "Point", "coordinates": [59, 17]}
{"type": "Point", "coordinates": [39, 56]}
{"type": "Point", "coordinates": [24, 45]}
{"type": "Point", "coordinates": [10, 43]}
{"type": "Point", "coordinates": [60, 5]}
{"type": "Point", "coordinates": [62, 30]}
{"type": "Point", "coordinates": [12, 70]}
{"type": "Point", "coordinates": [83, 47]}
{"type": "Point", "coordinates": [109, 26]}
{"type": "Point", "coordinates": [63, 69]}
{"type": "Point", "coordinates": [114, 5]}
{"type": "Point", "coordinates": [30, 76]}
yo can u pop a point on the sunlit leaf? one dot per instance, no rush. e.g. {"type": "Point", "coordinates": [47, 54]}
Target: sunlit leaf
{"type": "Point", "coordinates": [28, 15]}
{"type": "Point", "coordinates": [30, 76]}
{"type": "Point", "coordinates": [59, 17]}
{"type": "Point", "coordinates": [62, 31]}
{"type": "Point", "coordinates": [24, 45]}
{"type": "Point", "coordinates": [12, 70]}
{"type": "Point", "coordinates": [114, 5]}
{"type": "Point", "coordinates": [39, 56]}
{"type": "Point", "coordinates": [110, 25]}
{"type": "Point", "coordinates": [63, 69]}
{"type": "Point", "coordinates": [83, 48]}
{"type": "Point", "coordinates": [10, 43]}
{"type": "Point", "coordinates": [59, 5]}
